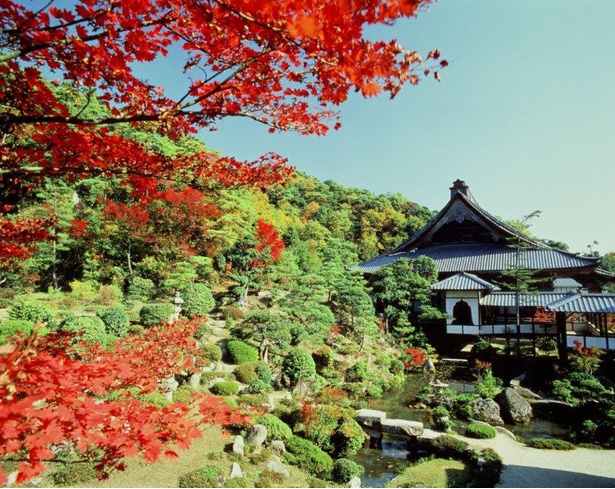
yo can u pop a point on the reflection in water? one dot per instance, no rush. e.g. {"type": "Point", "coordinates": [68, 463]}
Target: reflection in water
{"type": "Point", "coordinates": [381, 466]}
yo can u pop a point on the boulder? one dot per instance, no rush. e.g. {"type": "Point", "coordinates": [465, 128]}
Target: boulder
{"type": "Point", "coordinates": [236, 471]}
{"type": "Point", "coordinates": [355, 482]}
{"type": "Point", "coordinates": [238, 446]}
{"type": "Point", "coordinates": [195, 381]}
{"type": "Point", "coordinates": [514, 408]}
{"type": "Point", "coordinates": [526, 393]}
{"type": "Point", "coordinates": [505, 432]}
{"type": "Point", "coordinates": [369, 416]}
{"type": "Point", "coordinates": [257, 435]}
{"type": "Point", "coordinates": [428, 366]}
{"type": "Point", "coordinates": [278, 447]}
{"type": "Point", "coordinates": [487, 410]}
{"type": "Point", "coordinates": [401, 427]}
{"type": "Point", "coordinates": [278, 467]}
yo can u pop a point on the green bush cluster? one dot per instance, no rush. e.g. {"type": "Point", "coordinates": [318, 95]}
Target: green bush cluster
{"type": "Point", "coordinates": [551, 444]}
{"type": "Point", "coordinates": [226, 388]}
{"type": "Point", "coordinates": [298, 365]}
{"type": "Point", "coordinates": [141, 289]}
{"type": "Point", "coordinates": [359, 372]}
{"type": "Point", "coordinates": [240, 352]}
{"type": "Point", "coordinates": [117, 322]}
{"type": "Point", "coordinates": [198, 300]}
{"type": "Point", "coordinates": [204, 477]}
{"type": "Point", "coordinates": [211, 353]}
{"type": "Point", "coordinates": [308, 456]}
{"type": "Point", "coordinates": [109, 295]}
{"type": "Point", "coordinates": [13, 326]}
{"type": "Point", "coordinates": [253, 399]}
{"type": "Point", "coordinates": [183, 393]}
{"type": "Point", "coordinates": [323, 358]}
{"type": "Point", "coordinates": [447, 446]}
{"type": "Point", "coordinates": [247, 372]}
{"type": "Point", "coordinates": [479, 430]}
{"type": "Point", "coordinates": [89, 328]}
{"type": "Point", "coordinates": [487, 474]}
{"type": "Point", "coordinates": [155, 314]}
{"type": "Point", "coordinates": [344, 470]}
{"type": "Point", "coordinates": [33, 311]}
{"type": "Point", "coordinates": [487, 385]}
{"type": "Point", "coordinates": [276, 428]}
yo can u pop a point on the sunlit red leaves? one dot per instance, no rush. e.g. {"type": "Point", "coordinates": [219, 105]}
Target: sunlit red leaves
{"type": "Point", "coordinates": [51, 395]}
{"type": "Point", "coordinates": [20, 236]}
{"type": "Point", "coordinates": [269, 244]}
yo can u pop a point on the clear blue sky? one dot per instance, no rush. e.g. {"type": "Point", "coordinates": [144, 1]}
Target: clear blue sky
{"type": "Point", "coordinates": [525, 114]}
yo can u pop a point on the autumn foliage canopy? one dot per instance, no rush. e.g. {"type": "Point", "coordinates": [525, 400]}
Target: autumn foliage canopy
{"type": "Point", "coordinates": [285, 64]}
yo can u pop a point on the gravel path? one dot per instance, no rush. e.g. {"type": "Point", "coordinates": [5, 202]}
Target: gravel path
{"type": "Point", "coordinates": [530, 467]}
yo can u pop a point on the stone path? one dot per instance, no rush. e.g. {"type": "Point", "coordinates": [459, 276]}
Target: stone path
{"type": "Point", "coordinates": [530, 467]}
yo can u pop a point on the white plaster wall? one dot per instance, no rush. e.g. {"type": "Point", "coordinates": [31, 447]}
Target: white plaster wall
{"type": "Point", "coordinates": [469, 296]}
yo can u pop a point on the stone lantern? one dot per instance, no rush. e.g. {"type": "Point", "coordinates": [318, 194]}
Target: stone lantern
{"type": "Point", "coordinates": [177, 302]}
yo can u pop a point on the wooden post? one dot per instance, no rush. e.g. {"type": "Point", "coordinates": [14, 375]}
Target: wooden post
{"type": "Point", "coordinates": [562, 341]}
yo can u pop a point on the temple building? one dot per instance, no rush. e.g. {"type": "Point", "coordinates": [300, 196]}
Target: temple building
{"type": "Point", "coordinates": [471, 248]}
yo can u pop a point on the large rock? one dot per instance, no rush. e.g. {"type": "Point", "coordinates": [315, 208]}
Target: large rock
{"type": "Point", "coordinates": [278, 447]}
{"type": "Point", "coordinates": [238, 446]}
{"type": "Point", "coordinates": [278, 467]}
{"type": "Point", "coordinates": [257, 435]}
{"type": "Point", "coordinates": [236, 471]}
{"type": "Point", "coordinates": [487, 410]}
{"type": "Point", "coordinates": [514, 408]}
{"type": "Point", "coordinates": [526, 393]}
{"type": "Point", "coordinates": [369, 416]}
{"type": "Point", "coordinates": [402, 427]}
{"type": "Point", "coordinates": [354, 483]}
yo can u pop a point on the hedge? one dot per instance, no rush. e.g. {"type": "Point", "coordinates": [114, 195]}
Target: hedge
{"type": "Point", "coordinates": [198, 300]}
{"type": "Point", "coordinates": [241, 352]}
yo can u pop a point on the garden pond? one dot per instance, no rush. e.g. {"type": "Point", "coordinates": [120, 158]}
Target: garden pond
{"type": "Point", "coordinates": [381, 466]}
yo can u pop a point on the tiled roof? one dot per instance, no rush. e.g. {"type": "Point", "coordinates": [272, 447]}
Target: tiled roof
{"type": "Point", "coordinates": [463, 281]}
{"type": "Point", "coordinates": [483, 258]}
{"type": "Point", "coordinates": [566, 282]}
{"type": "Point", "coordinates": [596, 303]}
{"type": "Point", "coordinates": [507, 299]}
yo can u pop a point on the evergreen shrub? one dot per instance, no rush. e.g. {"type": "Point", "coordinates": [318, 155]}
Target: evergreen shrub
{"type": "Point", "coordinates": [397, 367]}
{"type": "Point", "coordinates": [226, 388]}
{"type": "Point", "coordinates": [155, 314]}
{"type": "Point", "coordinates": [240, 352]}
{"type": "Point", "coordinates": [73, 473]}
{"type": "Point", "coordinates": [246, 372]}
{"type": "Point", "coordinates": [551, 444]}
{"type": "Point", "coordinates": [90, 328]}
{"type": "Point", "coordinates": [183, 393]}
{"type": "Point", "coordinates": [349, 438]}
{"type": "Point", "coordinates": [32, 311]}
{"type": "Point", "coordinates": [359, 372]}
{"type": "Point", "coordinates": [12, 327]}
{"type": "Point", "coordinates": [141, 289]}
{"type": "Point", "coordinates": [307, 456]}
{"type": "Point", "coordinates": [344, 470]}
{"type": "Point", "coordinates": [447, 446]}
{"type": "Point", "coordinates": [117, 322]}
{"type": "Point", "coordinates": [204, 477]}
{"type": "Point", "coordinates": [276, 428]}
{"type": "Point", "coordinates": [211, 353]}
{"type": "Point", "coordinates": [198, 300]}
{"type": "Point", "coordinates": [479, 430]}
{"type": "Point", "coordinates": [298, 365]}
{"type": "Point", "coordinates": [253, 399]}
{"type": "Point", "coordinates": [488, 473]}
{"type": "Point", "coordinates": [258, 386]}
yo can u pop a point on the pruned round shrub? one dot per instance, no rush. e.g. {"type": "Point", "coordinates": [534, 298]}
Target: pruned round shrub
{"type": "Point", "coordinates": [226, 388]}
{"type": "Point", "coordinates": [359, 372]}
{"type": "Point", "coordinates": [488, 473]}
{"type": "Point", "coordinates": [258, 386]}
{"type": "Point", "coordinates": [14, 326]}
{"type": "Point", "coordinates": [117, 322]}
{"type": "Point", "coordinates": [308, 457]}
{"type": "Point", "coordinates": [198, 300]}
{"type": "Point", "coordinates": [204, 477]}
{"type": "Point", "coordinates": [276, 428]}
{"type": "Point", "coordinates": [253, 399]}
{"type": "Point", "coordinates": [246, 372]}
{"type": "Point", "coordinates": [32, 311]}
{"type": "Point", "coordinates": [155, 314]}
{"type": "Point", "coordinates": [344, 470]}
{"type": "Point", "coordinates": [298, 365]}
{"type": "Point", "coordinates": [90, 328]}
{"type": "Point", "coordinates": [240, 352]}
{"type": "Point", "coordinates": [211, 353]}
{"type": "Point", "coordinates": [349, 438]}
{"type": "Point", "coordinates": [141, 289]}
{"type": "Point", "coordinates": [551, 444]}
{"type": "Point", "coordinates": [479, 430]}
{"type": "Point", "coordinates": [446, 446]}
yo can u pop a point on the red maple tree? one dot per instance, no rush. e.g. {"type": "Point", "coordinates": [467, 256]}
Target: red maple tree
{"type": "Point", "coordinates": [54, 393]}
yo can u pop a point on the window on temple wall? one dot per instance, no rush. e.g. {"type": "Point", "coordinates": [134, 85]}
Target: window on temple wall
{"type": "Point", "coordinates": [462, 313]}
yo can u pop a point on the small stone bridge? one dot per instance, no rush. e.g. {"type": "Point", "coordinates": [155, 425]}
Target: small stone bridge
{"type": "Point", "coordinates": [375, 424]}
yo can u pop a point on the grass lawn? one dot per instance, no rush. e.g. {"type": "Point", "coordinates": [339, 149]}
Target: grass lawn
{"type": "Point", "coordinates": [433, 473]}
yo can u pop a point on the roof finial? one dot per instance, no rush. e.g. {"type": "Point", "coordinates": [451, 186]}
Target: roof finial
{"type": "Point", "coordinates": [459, 186]}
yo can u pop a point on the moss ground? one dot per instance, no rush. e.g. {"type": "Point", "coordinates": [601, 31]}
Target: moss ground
{"type": "Point", "coordinates": [433, 473]}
